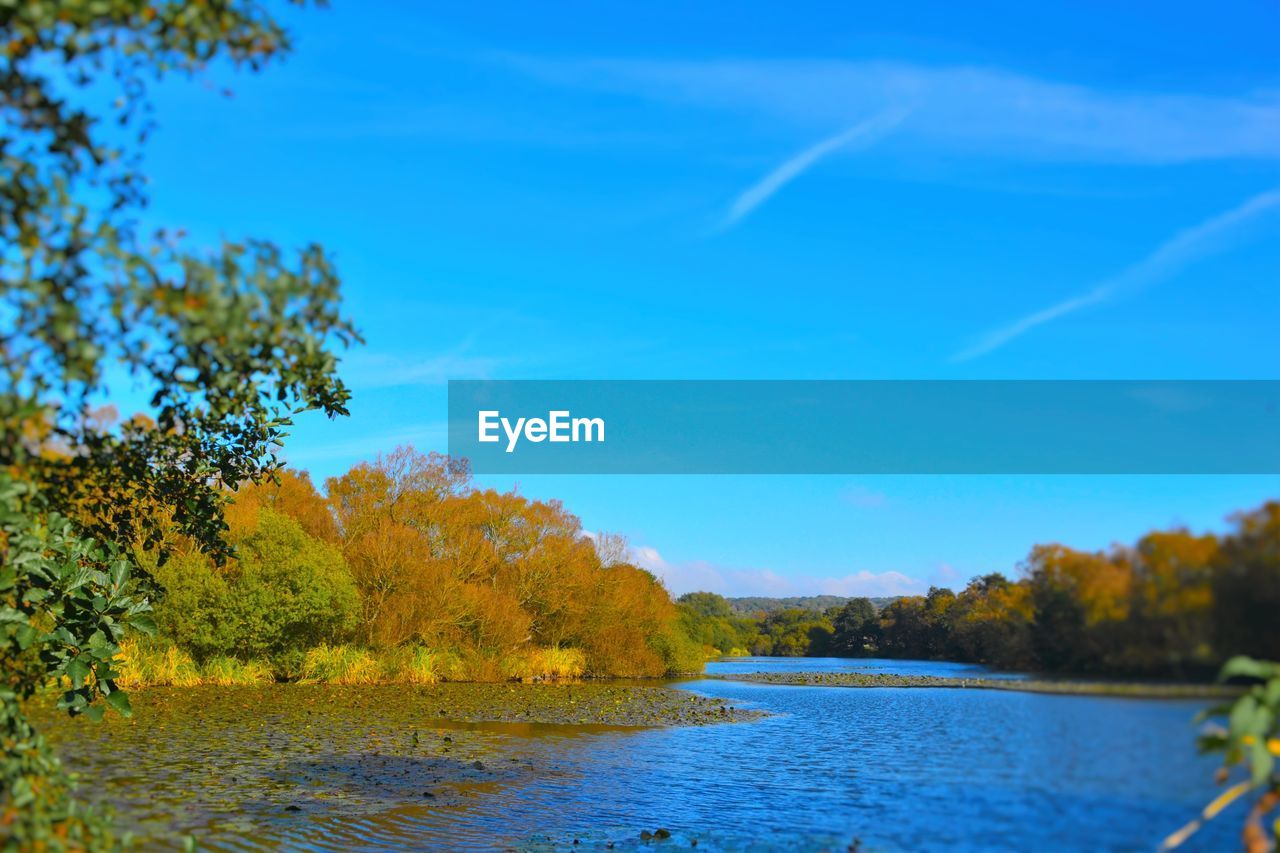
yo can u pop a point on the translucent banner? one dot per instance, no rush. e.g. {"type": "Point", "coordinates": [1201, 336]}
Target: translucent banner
{"type": "Point", "coordinates": [866, 427]}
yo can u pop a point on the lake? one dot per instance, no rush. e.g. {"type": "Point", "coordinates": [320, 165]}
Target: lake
{"type": "Point", "coordinates": [896, 769]}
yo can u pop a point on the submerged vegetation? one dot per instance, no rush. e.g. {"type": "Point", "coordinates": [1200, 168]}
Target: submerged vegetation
{"type": "Point", "coordinates": [1175, 604]}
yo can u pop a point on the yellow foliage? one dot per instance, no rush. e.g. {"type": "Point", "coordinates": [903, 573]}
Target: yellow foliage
{"type": "Point", "coordinates": [149, 664]}
{"type": "Point", "coordinates": [340, 665]}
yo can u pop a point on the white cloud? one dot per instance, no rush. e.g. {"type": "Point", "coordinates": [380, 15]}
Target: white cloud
{"type": "Point", "coordinates": [1166, 261]}
{"type": "Point", "coordinates": [697, 575]}
{"type": "Point", "coordinates": [957, 107]}
{"type": "Point", "coordinates": [862, 134]}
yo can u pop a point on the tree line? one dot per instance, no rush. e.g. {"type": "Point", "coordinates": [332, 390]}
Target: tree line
{"type": "Point", "coordinates": [1173, 604]}
{"type": "Point", "coordinates": [404, 552]}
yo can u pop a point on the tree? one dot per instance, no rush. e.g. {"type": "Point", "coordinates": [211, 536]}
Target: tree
{"type": "Point", "coordinates": [1246, 585]}
{"type": "Point", "coordinates": [230, 343]}
{"type": "Point", "coordinates": [993, 624]}
{"type": "Point", "coordinates": [284, 593]}
{"type": "Point", "coordinates": [857, 627]}
{"type": "Point", "coordinates": [709, 620]}
{"type": "Point", "coordinates": [1081, 600]}
{"type": "Point", "coordinates": [1169, 628]}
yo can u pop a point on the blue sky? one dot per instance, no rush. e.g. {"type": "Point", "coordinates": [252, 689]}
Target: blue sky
{"type": "Point", "coordinates": [772, 191]}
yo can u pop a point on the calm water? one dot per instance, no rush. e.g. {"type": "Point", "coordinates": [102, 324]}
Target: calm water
{"type": "Point", "coordinates": [897, 769]}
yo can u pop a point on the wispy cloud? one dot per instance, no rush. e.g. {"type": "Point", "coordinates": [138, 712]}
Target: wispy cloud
{"type": "Point", "coordinates": [368, 370]}
{"type": "Point", "coordinates": [863, 497]}
{"type": "Point", "coordinates": [984, 110]}
{"type": "Point", "coordinates": [1166, 261]}
{"type": "Point", "coordinates": [862, 134]}
{"type": "Point", "coordinates": [427, 436]}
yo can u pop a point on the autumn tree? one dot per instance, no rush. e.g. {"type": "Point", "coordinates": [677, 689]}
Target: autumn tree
{"type": "Point", "coordinates": [1080, 599]}
{"type": "Point", "coordinates": [1169, 625]}
{"type": "Point", "coordinates": [993, 623]}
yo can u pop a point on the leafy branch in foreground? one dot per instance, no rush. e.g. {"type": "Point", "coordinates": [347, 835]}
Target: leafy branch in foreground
{"type": "Point", "coordinates": [1249, 743]}
{"type": "Point", "coordinates": [228, 345]}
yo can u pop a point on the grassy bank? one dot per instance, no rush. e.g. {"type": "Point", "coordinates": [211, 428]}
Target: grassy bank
{"type": "Point", "coordinates": [157, 664]}
{"type": "Point", "coordinates": [1069, 688]}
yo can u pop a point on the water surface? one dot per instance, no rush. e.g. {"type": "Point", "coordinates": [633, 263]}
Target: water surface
{"type": "Point", "coordinates": [895, 769]}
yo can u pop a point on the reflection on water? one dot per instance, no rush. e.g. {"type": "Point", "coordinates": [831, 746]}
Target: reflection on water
{"type": "Point", "coordinates": [897, 769]}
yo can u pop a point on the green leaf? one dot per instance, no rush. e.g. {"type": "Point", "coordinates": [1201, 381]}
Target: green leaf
{"type": "Point", "coordinates": [77, 671]}
{"type": "Point", "coordinates": [120, 701]}
{"type": "Point", "coordinates": [1243, 666]}
{"type": "Point", "coordinates": [1261, 762]}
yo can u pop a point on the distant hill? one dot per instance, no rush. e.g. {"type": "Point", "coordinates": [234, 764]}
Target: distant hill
{"type": "Point", "coordinates": [752, 604]}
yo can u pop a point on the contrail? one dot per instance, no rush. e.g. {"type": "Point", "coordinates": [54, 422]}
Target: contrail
{"type": "Point", "coordinates": [865, 133]}
{"type": "Point", "coordinates": [1167, 260]}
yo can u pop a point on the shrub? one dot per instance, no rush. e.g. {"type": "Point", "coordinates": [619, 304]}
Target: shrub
{"type": "Point", "coordinates": [286, 593]}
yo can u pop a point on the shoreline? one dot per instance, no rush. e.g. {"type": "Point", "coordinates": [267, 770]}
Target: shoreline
{"type": "Point", "coordinates": [1131, 689]}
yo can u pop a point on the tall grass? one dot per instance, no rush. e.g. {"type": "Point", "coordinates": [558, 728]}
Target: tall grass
{"type": "Point", "coordinates": [146, 663]}
{"type": "Point", "coordinates": [151, 663]}
{"type": "Point", "coordinates": [416, 665]}
{"type": "Point", "coordinates": [225, 672]}
{"type": "Point", "coordinates": [326, 664]}
{"type": "Point", "coordinates": [549, 664]}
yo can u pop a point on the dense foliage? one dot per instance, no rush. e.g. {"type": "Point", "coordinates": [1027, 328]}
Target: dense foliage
{"type": "Point", "coordinates": [286, 592]}
{"type": "Point", "coordinates": [404, 560]}
{"type": "Point", "coordinates": [1174, 604]}
{"type": "Point", "coordinates": [226, 343]}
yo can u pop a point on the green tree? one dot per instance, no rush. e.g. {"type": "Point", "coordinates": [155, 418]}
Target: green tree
{"type": "Point", "coordinates": [710, 621]}
{"type": "Point", "coordinates": [285, 592]}
{"type": "Point", "coordinates": [797, 633]}
{"type": "Point", "coordinates": [229, 343]}
{"type": "Point", "coordinates": [856, 628]}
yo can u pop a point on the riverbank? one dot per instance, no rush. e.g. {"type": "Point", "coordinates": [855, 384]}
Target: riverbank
{"type": "Point", "coordinates": [1137, 690]}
